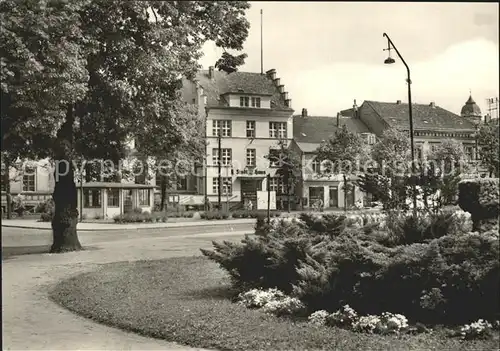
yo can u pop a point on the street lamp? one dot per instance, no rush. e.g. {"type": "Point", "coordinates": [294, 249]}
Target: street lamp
{"type": "Point", "coordinates": [389, 60]}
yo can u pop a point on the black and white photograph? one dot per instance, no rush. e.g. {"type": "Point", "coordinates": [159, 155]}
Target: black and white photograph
{"type": "Point", "coordinates": [250, 175]}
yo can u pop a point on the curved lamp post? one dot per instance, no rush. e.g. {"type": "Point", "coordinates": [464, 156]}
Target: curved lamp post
{"type": "Point", "coordinates": [389, 60]}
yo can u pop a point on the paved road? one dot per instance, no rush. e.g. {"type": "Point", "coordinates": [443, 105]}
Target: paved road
{"type": "Point", "coordinates": [30, 237]}
{"type": "Point", "coordinates": [32, 322]}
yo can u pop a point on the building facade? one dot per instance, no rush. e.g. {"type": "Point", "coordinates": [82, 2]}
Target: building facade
{"type": "Point", "coordinates": [245, 116]}
{"type": "Point", "coordinates": [316, 187]}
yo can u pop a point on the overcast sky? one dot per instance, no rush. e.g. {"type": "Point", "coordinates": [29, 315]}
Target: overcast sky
{"type": "Point", "coordinates": [329, 53]}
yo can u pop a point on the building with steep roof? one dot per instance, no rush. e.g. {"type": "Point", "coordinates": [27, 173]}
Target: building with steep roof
{"type": "Point", "coordinates": [431, 123]}
{"type": "Point", "coordinates": [309, 133]}
{"type": "Point", "coordinates": [250, 112]}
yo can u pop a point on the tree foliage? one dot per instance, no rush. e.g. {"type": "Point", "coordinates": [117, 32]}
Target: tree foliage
{"type": "Point", "coordinates": [488, 141]}
{"type": "Point", "coordinates": [79, 77]}
{"type": "Point", "coordinates": [342, 154]}
{"type": "Point", "coordinates": [289, 167]}
{"type": "Point", "coordinates": [386, 181]}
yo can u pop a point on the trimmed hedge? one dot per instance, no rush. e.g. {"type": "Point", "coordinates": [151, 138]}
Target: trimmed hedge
{"type": "Point", "coordinates": [143, 217]}
{"type": "Point", "coordinates": [480, 197]}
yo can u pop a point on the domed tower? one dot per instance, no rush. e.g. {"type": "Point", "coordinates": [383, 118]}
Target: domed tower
{"type": "Point", "coordinates": [471, 111]}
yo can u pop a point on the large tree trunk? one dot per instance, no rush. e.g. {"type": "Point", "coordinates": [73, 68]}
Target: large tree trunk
{"type": "Point", "coordinates": [8, 197]}
{"type": "Point", "coordinates": [65, 219]}
{"type": "Point", "coordinates": [163, 192]}
{"type": "Point", "coordinates": [345, 193]}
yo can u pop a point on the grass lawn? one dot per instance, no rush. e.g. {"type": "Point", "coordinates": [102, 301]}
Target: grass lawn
{"type": "Point", "coordinates": [187, 300]}
{"type": "Point", "coordinates": [9, 252]}
{"type": "Point", "coordinates": [12, 251]}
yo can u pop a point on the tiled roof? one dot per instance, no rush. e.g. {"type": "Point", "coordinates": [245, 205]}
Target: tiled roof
{"type": "Point", "coordinates": [424, 116]}
{"type": "Point", "coordinates": [247, 82]}
{"type": "Point", "coordinates": [314, 129]}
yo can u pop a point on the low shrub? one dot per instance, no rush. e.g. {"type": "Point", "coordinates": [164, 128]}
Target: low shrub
{"type": "Point", "coordinates": [480, 197]}
{"type": "Point", "coordinates": [46, 217]}
{"type": "Point", "coordinates": [480, 329]}
{"type": "Point", "coordinates": [407, 229]}
{"type": "Point", "coordinates": [214, 215]}
{"type": "Point", "coordinates": [432, 273]}
{"type": "Point", "coordinates": [46, 210]}
{"type": "Point", "coordinates": [145, 216]}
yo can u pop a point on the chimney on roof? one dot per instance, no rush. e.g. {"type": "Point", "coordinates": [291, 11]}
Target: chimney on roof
{"type": "Point", "coordinates": [211, 72]}
{"type": "Point", "coordinates": [304, 112]}
{"type": "Point", "coordinates": [355, 109]}
{"type": "Point", "coordinates": [281, 88]}
{"type": "Point", "coordinates": [338, 119]}
{"type": "Point", "coordinates": [432, 104]}
{"type": "Point", "coordinates": [271, 74]}
{"type": "Point", "coordinates": [276, 82]}
{"type": "Point", "coordinates": [398, 102]}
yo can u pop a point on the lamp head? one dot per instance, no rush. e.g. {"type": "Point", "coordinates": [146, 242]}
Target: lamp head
{"type": "Point", "coordinates": [389, 60]}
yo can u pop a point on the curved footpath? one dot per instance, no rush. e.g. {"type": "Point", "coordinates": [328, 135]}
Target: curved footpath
{"type": "Point", "coordinates": [33, 322]}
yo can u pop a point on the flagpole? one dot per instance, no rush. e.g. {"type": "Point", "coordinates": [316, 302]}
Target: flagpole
{"type": "Point", "coordinates": [261, 45]}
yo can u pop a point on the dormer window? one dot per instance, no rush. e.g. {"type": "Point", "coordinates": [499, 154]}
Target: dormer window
{"type": "Point", "coordinates": [255, 101]}
{"type": "Point", "coordinates": [244, 101]}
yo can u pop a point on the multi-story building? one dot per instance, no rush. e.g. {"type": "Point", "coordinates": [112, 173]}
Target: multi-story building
{"type": "Point", "coordinates": [246, 114]}
{"type": "Point", "coordinates": [309, 133]}
{"type": "Point", "coordinates": [432, 124]}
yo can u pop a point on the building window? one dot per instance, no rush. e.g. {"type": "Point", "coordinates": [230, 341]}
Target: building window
{"type": "Point", "coordinates": [91, 198]}
{"type": "Point", "coordinates": [227, 185]}
{"type": "Point", "coordinates": [143, 197]}
{"type": "Point", "coordinates": [277, 130]}
{"type": "Point", "coordinates": [113, 197]}
{"type": "Point", "coordinates": [255, 101]}
{"type": "Point", "coordinates": [277, 185]}
{"type": "Point", "coordinates": [221, 125]}
{"type": "Point", "coordinates": [244, 101]}
{"type": "Point", "coordinates": [371, 139]}
{"type": "Point", "coordinates": [316, 166]}
{"type": "Point", "coordinates": [3, 186]}
{"type": "Point", "coordinates": [182, 183]}
{"type": "Point", "coordinates": [251, 157]}
{"type": "Point", "coordinates": [226, 156]}
{"type": "Point", "coordinates": [250, 129]}
{"type": "Point", "coordinates": [29, 179]}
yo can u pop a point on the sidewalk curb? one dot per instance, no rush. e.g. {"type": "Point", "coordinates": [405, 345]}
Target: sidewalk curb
{"type": "Point", "coordinates": [141, 227]}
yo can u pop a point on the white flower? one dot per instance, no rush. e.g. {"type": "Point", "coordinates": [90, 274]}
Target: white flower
{"type": "Point", "coordinates": [318, 317]}
{"type": "Point", "coordinates": [475, 329]}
